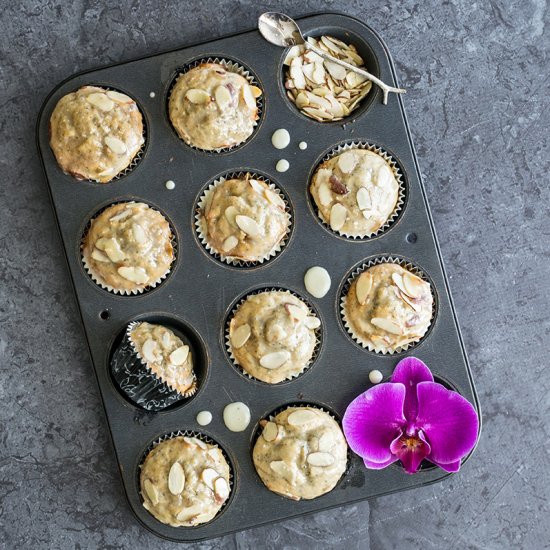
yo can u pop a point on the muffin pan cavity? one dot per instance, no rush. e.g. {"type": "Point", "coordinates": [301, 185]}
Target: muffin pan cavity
{"type": "Point", "coordinates": [199, 295]}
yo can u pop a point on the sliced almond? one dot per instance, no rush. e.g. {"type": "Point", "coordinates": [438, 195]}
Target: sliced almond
{"type": "Point", "coordinates": [196, 442]}
{"type": "Point", "coordinates": [363, 287]}
{"type": "Point", "coordinates": [118, 97]}
{"type": "Point", "coordinates": [275, 333]}
{"type": "Point", "coordinates": [336, 71]}
{"type": "Point", "coordinates": [413, 285]}
{"type": "Point", "coordinates": [117, 146]}
{"type": "Point", "coordinates": [281, 468]}
{"type": "Point", "coordinates": [208, 476]}
{"type": "Point", "coordinates": [319, 74]}
{"type": "Point", "coordinates": [363, 198]}
{"type": "Point", "coordinates": [197, 96]}
{"type": "Point", "coordinates": [274, 199]}
{"type": "Point", "coordinates": [256, 92]}
{"type": "Point", "coordinates": [294, 52]}
{"type": "Point", "coordinates": [337, 186]}
{"type": "Point", "coordinates": [248, 225]}
{"type": "Point", "coordinates": [331, 45]}
{"type": "Point", "coordinates": [221, 488]}
{"type": "Point", "coordinates": [385, 176]}
{"type": "Point", "coordinates": [275, 359]}
{"type": "Point", "coordinates": [136, 275]}
{"type": "Point", "coordinates": [190, 512]}
{"type": "Point", "coordinates": [386, 324]}
{"type": "Point", "coordinates": [121, 215]}
{"type": "Point", "coordinates": [112, 248]}
{"type": "Point", "coordinates": [240, 336]}
{"type": "Point", "coordinates": [408, 301]}
{"type": "Point", "coordinates": [230, 214]}
{"type": "Point", "coordinates": [301, 417]}
{"type": "Point", "coordinates": [148, 350]}
{"type": "Point", "coordinates": [297, 75]}
{"type": "Point", "coordinates": [338, 216]}
{"type": "Point", "coordinates": [257, 186]}
{"type": "Point", "coordinates": [270, 431]}
{"type": "Point", "coordinates": [139, 233]}
{"type": "Point", "coordinates": [151, 491]}
{"type": "Point", "coordinates": [98, 256]}
{"type": "Point", "coordinates": [100, 100]}
{"type": "Point", "coordinates": [326, 442]}
{"type": "Point", "coordinates": [230, 243]}
{"type": "Point", "coordinates": [312, 322]}
{"type": "Point", "coordinates": [317, 101]}
{"type": "Point", "coordinates": [176, 479]}
{"type": "Point", "coordinates": [320, 459]}
{"type": "Point", "coordinates": [296, 312]}
{"type": "Point", "coordinates": [166, 340]}
{"type": "Point", "coordinates": [248, 97]}
{"type": "Point", "coordinates": [312, 57]}
{"type": "Point", "coordinates": [302, 100]}
{"type": "Point", "coordinates": [223, 97]}
{"type": "Point", "coordinates": [179, 356]}
{"type": "Point", "coordinates": [378, 342]}
{"type": "Point", "coordinates": [318, 113]}
{"type": "Point", "coordinates": [325, 194]}
{"type": "Point", "coordinates": [347, 161]}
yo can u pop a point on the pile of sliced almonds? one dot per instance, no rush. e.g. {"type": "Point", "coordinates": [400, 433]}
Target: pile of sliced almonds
{"type": "Point", "coordinates": [321, 89]}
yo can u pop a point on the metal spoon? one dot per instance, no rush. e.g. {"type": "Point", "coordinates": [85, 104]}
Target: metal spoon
{"type": "Point", "coordinates": [282, 30]}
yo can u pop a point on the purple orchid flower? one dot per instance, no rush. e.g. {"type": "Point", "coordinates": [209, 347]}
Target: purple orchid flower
{"type": "Point", "coordinates": [411, 418]}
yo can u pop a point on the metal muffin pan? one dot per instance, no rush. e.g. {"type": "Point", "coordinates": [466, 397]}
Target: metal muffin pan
{"type": "Point", "coordinates": [200, 291]}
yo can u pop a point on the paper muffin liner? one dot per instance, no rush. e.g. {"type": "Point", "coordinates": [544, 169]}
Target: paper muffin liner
{"type": "Point", "coordinates": [98, 280]}
{"type": "Point", "coordinates": [205, 439]}
{"type": "Point", "coordinates": [401, 193]}
{"type": "Point", "coordinates": [200, 222]}
{"type": "Point", "coordinates": [363, 267]}
{"type": "Point", "coordinates": [231, 66]}
{"type": "Point", "coordinates": [318, 335]}
{"type": "Point", "coordinates": [139, 382]}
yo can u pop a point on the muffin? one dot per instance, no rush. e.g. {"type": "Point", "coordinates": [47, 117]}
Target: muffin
{"type": "Point", "coordinates": [301, 454]}
{"type": "Point", "coordinates": [243, 219]}
{"type": "Point", "coordinates": [356, 192]}
{"type": "Point", "coordinates": [212, 107]}
{"type": "Point", "coordinates": [128, 248]}
{"type": "Point", "coordinates": [387, 307]}
{"type": "Point", "coordinates": [272, 336]}
{"type": "Point", "coordinates": [184, 481]}
{"type": "Point", "coordinates": [321, 89]}
{"type": "Point", "coordinates": [153, 367]}
{"type": "Point", "coordinates": [95, 133]}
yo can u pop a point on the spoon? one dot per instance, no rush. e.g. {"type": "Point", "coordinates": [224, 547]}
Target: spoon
{"type": "Point", "coordinates": [282, 30]}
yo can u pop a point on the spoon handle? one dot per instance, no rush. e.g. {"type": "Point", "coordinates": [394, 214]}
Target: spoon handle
{"type": "Point", "coordinates": [385, 88]}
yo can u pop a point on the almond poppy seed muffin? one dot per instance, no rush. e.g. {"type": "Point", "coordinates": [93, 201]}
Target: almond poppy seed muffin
{"type": "Point", "coordinates": [387, 307]}
{"type": "Point", "coordinates": [301, 453]}
{"type": "Point", "coordinates": [355, 192]}
{"type": "Point", "coordinates": [184, 481]}
{"type": "Point", "coordinates": [272, 336]}
{"type": "Point", "coordinates": [212, 107]}
{"type": "Point", "coordinates": [95, 133]}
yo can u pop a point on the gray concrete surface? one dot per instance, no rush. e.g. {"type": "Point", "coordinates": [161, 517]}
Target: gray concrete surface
{"type": "Point", "coordinates": [478, 105]}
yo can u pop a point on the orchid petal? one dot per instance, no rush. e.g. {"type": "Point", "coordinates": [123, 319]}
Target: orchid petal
{"type": "Point", "coordinates": [411, 451]}
{"type": "Point", "coordinates": [449, 422]}
{"type": "Point", "coordinates": [410, 372]}
{"type": "Point", "coordinates": [373, 420]}
{"type": "Point", "coordinates": [451, 467]}
{"type": "Point", "coordinates": [379, 465]}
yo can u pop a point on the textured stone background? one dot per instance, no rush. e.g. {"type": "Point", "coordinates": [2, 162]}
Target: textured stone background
{"type": "Point", "coordinates": [478, 106]}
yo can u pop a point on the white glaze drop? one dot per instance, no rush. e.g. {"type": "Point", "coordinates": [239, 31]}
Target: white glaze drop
{"type": "Point", "coordinates": [280, 138]}
{"type": "Point", "coordinates": [236, 416]}
{"type": "Point", "coordinates": [282, 166]}
{"type": "Point", "coordinates": [317, 281]}
{"type": "Point", "coordinates": [170, 184]}
{"type": "Point", "coordinates": [302, 145]}
{"type": "Point", "coordinates": [375, 376]}
{"type": "Point", "coordinates": [204, 418]}
{"type": "Point", "coordinates": [152, 94]}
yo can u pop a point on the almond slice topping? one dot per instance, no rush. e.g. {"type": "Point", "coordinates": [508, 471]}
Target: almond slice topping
{"type": "Point", "coordinates": [230, 214]}
{"type": "Point", "coordinates": [208, 476]}
{"type": "Point", "coordinates": [312, 322]}
{"type": "Point", "coordinates": [221, 488]}
{"type": "Point", "coordinates": [248, 225]}
{"type": "Point", "coordinates": [240, 336]}
{"type": "Point", "coordinates": [274, 199]}
{"type": "Point", "coordinates": [270, 431]}
{"type": "Point", "coordinates": [196, 442]}
{"type": "Point", "coordinates": [320, 459]}
{"type": "Point", "coordinates": [325, 194]}
{"type": "Point", "coordinates": [338, 216]}
{"type": "Point", "coordinates": [257, 186]}
{"type": "Point", "coordinates": [230, 243]}
{"type": "Point", "coordinates": [121, 215]}
{"type": "Point", "coordinates": [176, 479]}
{"type": "Point", "coordinates": [386, 324]}
{"type": "Point", "coordinates": [301, 417]}
{"type": "Point", "coordinates": [118, 97]}
{"type": "Point", "coordinates": [139, 233]}
{"type": "Point", "coordinates": [363, 287]}
{"type": "Point", "coordinates": [179, 356]}
{"type": "Point", "coordinates": [256, 92]}
{"type": "Point", "coordinates": [197, 96]}
{"type": "Point", "coordinates": [249, 97]}
{"type": "Point", "coordinates": [296, 312]}
{"type": "Point", "coordinates": [151, 491]}
{"type": "Point", "coordinates": [363, 199]}
{"type": "Point", "coordinates": [223, 97]}
{"type": "Point", "coordinates": [413, 285]}
{"type": "Point", "coordinates": [326, 441]}
{"type": "Point", "coordinates": [136, 275]}
{"type": "Point", "coordinates": [112, 248]}
{"type": "Point", "coordinates": [385, 175]}
{"type": "Point", "coordinates": [281, 468]}
{"type": "Point", "coordinates": [116, 145]}
{"type": "Point", "coordinates": [98, 256]}
{"type": "Point", "coordinates": [100, 100]}
{"type": "Point", "coordinates": [148, 350]}
{"type": "Point", "coordinates": [190, 512]}
{"type": "Point", "coordinates": [408, 301]}
{"type": "Point", "coordinates": [275, 359]}
{"type": "Point", "coordinates": [347, 162]}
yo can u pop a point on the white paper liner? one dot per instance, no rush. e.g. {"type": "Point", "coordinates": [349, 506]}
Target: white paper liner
{"type": "Point", "coordinates": [204, 438]}
{"type": "Point", "coordinates": [401, 193]}
{"type": "Point", "coordinates": [200, 222]}
{"type": "Point", "coordinates": [363, 267]}
{"type": "Point", "coordinates": [233, 67]}
{"type": "Point", "coordinates": [125, 292]}
{"type": "Point", "coordinates": [188, 393]}
{"type": "Point", "coordinates": [318, 335]}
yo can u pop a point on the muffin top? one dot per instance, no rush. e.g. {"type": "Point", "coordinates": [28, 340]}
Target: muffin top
{"type": "Point", "coordinates": [355, 192]}
{"type": "Point", "coordinates": [184, 481]}
{"type": "Point", "coordinates": [301, 453]}
{"type": "Point", "coordinates": [95, 133]}
{"type": "Point", "coordinates": [128, 247]}
{"type": "Point", "coordinates": [211, 107]}
{"type": "Point", "coordinates": [166, 355]}
{"type": "Point", "coordinates": [272, 336]}
{"type": "Point", "coordinates": [387, 307]}
{"type": "Point", "coordinates": [244, 219]}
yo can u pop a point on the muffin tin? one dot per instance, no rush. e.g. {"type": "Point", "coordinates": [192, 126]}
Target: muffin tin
{"type": "Point", "coordinates": [198, 295]}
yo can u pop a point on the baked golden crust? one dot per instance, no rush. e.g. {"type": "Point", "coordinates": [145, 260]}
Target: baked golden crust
{"type": "Point", "coordinates": [301, 454]}
{"type": "Point", "coordinates": [212, 108]}
{"type": "Point", "coordinates": [128, 247]}
{"type": "Point", "coordinates": [244, 219]}
{"type": "Point", "coordinates": [281, 336]}
{"type": "Point", "coordinates": [95, 133]}
{"type": "Point", "coordinates": [184, 481]}
{"type": "Point", "coordinates": [388, 307]}
{"type": "Point", "coordinates": [355, 191]}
